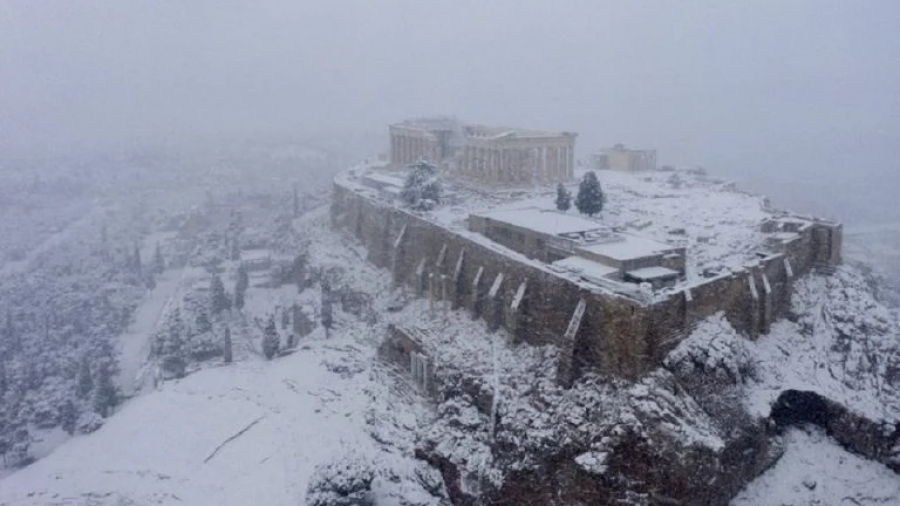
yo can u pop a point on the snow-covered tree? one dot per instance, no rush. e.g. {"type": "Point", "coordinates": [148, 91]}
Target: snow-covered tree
{"type": "Point", "coordinates": [327, 309]}
{"type": "Point", "coordinates": [563, 198]}
{"type": "Point", "coordinates": [271, 342]}
{"type": "Point", "coordinates": [159, 263]}
{"type": "Point", "coordinates": [590, 198]}
{"type": "Point", "coordinates": [422, 188]}
{"type": "Point", "coordinates": [240, 286]}
{"type": "Point", "coordinates": [218, 299]}
{"type": "Point", "coordinates": [202, 324]}
{"type": "Point", "coordinates": [226, 345]}
{"type": "Point", "coordinates": [85, 380]}
{"type": "Point", "coordinates": [136, 259]}
{"type": "Point", "coordinates": [106, 396]}
{"type": "Point", "coordinates": [344, 481]}
{"type": "Point", "coordinates": [68, 417]}
{"type": "Point", "coordinates": [235, 250]}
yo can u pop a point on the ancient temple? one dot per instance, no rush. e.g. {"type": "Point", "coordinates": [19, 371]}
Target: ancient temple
{"type": "Point", "coordinates": [492, 156]}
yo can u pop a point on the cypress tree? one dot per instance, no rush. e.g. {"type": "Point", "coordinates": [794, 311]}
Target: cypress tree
{"type": "Point", "coordinates": [159, 263]}
{"type": "Point", "coordinates": [218, 299]}
{"type": "Point", "coordinates": [226, 345]}
{"type": "Point", "coordinates": [106, 396]}
{"type": "Point", "coordinates": [563, 198]}
{"type": "Point", "coordinates": [271, 342]}
{"type": "Point", "coordinates": [590, 197]}
{"type": "Point", "coordinates": [85, 380]}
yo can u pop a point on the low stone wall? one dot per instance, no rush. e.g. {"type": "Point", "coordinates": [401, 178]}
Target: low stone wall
{"type": "Point", "coordinates": [614, 334]}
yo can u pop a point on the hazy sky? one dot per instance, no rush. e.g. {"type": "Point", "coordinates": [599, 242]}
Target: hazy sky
{"type": "Point", "coordinates": [777, 84]}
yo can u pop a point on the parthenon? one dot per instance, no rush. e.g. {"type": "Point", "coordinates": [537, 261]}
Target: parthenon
{"type": "Point", "coordinates": [494, 156]}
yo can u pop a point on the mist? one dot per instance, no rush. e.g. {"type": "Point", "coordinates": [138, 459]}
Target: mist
{"type": "Point", "coordinates": [796, 99]}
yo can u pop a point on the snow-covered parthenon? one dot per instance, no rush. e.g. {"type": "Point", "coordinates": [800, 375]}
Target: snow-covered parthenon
{"type": "Point", "coordinates": [495, 156]}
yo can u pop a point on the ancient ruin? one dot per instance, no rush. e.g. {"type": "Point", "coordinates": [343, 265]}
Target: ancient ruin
{"type": "Point", "coordinates": [615, 294]}
{"type": "Point", "coordinates": [495, 156]}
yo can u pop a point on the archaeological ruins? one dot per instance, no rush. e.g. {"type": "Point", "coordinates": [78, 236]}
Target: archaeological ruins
{"type": "Point", "coordinates": [494, 156]}
{"type": "Point", "coordinates": [614, 294]}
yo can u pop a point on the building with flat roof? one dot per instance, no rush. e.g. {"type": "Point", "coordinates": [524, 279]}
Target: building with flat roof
{"type": "Point", "coordinates": [580, 244]}
{"type": "Point", "coordinates": [621, 158]}
{"type": "Point", "coordinates": [493, 156]}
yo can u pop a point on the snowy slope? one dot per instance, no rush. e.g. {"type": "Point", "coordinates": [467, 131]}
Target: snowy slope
{"type": "Point", "coordinates": [816, 471]}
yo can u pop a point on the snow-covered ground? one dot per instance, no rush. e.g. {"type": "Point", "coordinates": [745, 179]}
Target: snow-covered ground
{"type": "Point", "coordinates": [254, 431]}
{"type": "Point", "coordinates": [161, 448]}
{"type": "Point", "coordinates": [816, 471]}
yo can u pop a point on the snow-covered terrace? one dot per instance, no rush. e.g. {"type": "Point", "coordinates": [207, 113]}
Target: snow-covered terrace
{"type": "Point", "coordinates": [719, 226]}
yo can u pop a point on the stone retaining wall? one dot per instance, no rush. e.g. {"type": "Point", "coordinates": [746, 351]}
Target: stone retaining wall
{"type": "Point", "coordinates": [615, 335]}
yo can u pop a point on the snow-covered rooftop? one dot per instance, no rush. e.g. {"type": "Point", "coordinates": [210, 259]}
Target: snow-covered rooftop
{"type": "Point", "coordinates": [628, 247]}
{"type": "Point", "coordinates": [719, 226]}
{"type": "Point", "coordinates": [585, 267]}
{"type": "Point", "coordinates": [545, 221]}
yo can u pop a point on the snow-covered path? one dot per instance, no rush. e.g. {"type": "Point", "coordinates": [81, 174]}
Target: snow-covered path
{"type": "Point", "coordinates": [134, 344]}
{"type": "Point", "coordinates": [162, 447]}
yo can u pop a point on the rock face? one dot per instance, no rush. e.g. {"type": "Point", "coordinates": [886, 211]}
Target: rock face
{"type": "Point", "coordinates": [876, 440]}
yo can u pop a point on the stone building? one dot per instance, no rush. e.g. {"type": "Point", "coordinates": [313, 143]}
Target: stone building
{"type": "Point", "coordinates": [577, 244]}
{"type": "Point", "coordinates": [494, 156]}
{"type": "Point", "coordinates": [621, 158]}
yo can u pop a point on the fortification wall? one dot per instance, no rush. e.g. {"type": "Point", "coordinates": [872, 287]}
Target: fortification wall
{"type": "Point", "coordinates": [614, 334]}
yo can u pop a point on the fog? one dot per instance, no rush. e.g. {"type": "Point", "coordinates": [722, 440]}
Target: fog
{"type": "Point", "coordinates": [799, 99]}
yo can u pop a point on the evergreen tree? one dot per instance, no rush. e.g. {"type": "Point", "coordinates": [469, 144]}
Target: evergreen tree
{"type": "Point", "coordinates": [226, 345]}
{"type": "Point", "coordinates": [240, 286]}
{"type": "Point", "coordinates": [106, 397]}
{"type": "Point", "coordinates": [285, 319]}
{"type": "Point", "coordinates": [68, 417]}
{"type": "Point", "coordinates": [203, 325]}
{"type": "Point", "coordinates": [11, 336]}
{"type": "Point", "coordinates": [271, 342]}
{"type": "Point", "coordinates": [4, 382]}
{"type": "Point", "coordinates": [590, 197]}
{"type": "Point", "coordinates": [218, 299]}
{"type": "Point", "coordinates": [137, 259]}
{"type": "Point", "coordinates": [296, 202]}
{"type": "Point", "coordinates": [563, 198]}
{"type": "Point", "coordinates": [422, 188]}
{"type": "Point", "coordinates": [85, 380]}
{"type": "Point", "coordinates": [327, 310]}
{"type": "Point", "coordinates": [238, 299]}
{"type": "Point", "coordinates": [159, 263]}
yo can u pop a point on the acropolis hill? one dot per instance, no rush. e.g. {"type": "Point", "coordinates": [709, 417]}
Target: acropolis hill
{"type": "Point", "coordinates": [615, 292]}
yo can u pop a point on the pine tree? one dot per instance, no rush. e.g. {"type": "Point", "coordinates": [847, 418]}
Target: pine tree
{"type": "Point", "coordinates": [106, 397]}
{"type": "Point", "coordinates": [85, 380]}
{"type": "Point", "coordinates": [218, 299]}
{"type": "Point", "coordinates": [240, 286]}
{"type": "Point", "coordinates": [159, 263]}
{"type": "Point", "coordinates": [203, 325]}
{"type": "Point", "coordinates": [285, 319]}
{"type": "Point", "coordinates": [327, 310]}
{"type": "Point", "coordinates": [137, 258]}
{"type": "Point", "coordinates": [4, 382]}
{"type": "Point", "coordinates": [226, 345]}
{"type": "Point", "coordinates": [68, 417]}
{"type": "Point", "coordinates": [590, 197]}
{"type": "Point", "coordinates": [563, 198]}
{"type": "Point", "coordinates": [271, 342]}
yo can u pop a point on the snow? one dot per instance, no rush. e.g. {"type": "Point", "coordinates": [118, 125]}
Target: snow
{"type": "Point", "coordinates": [251, 432]}
{"type": "Point", "coordinates": [647, 273]}
{"type": "Point", "coordinates": [628, 247]}
{"type": "Point", "coordinates": [815, 470]}
{"type": "Point", "coordinates": [585, 267]}
{"type": "Point", "coordinates": [545, 221]}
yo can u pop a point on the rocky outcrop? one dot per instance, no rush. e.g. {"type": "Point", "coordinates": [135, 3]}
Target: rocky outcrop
{"type": "Point", "coordinates": [876, 440]}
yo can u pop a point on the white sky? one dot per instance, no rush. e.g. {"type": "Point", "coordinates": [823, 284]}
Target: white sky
{"type": "Point", "coordinates": [756, 86]}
